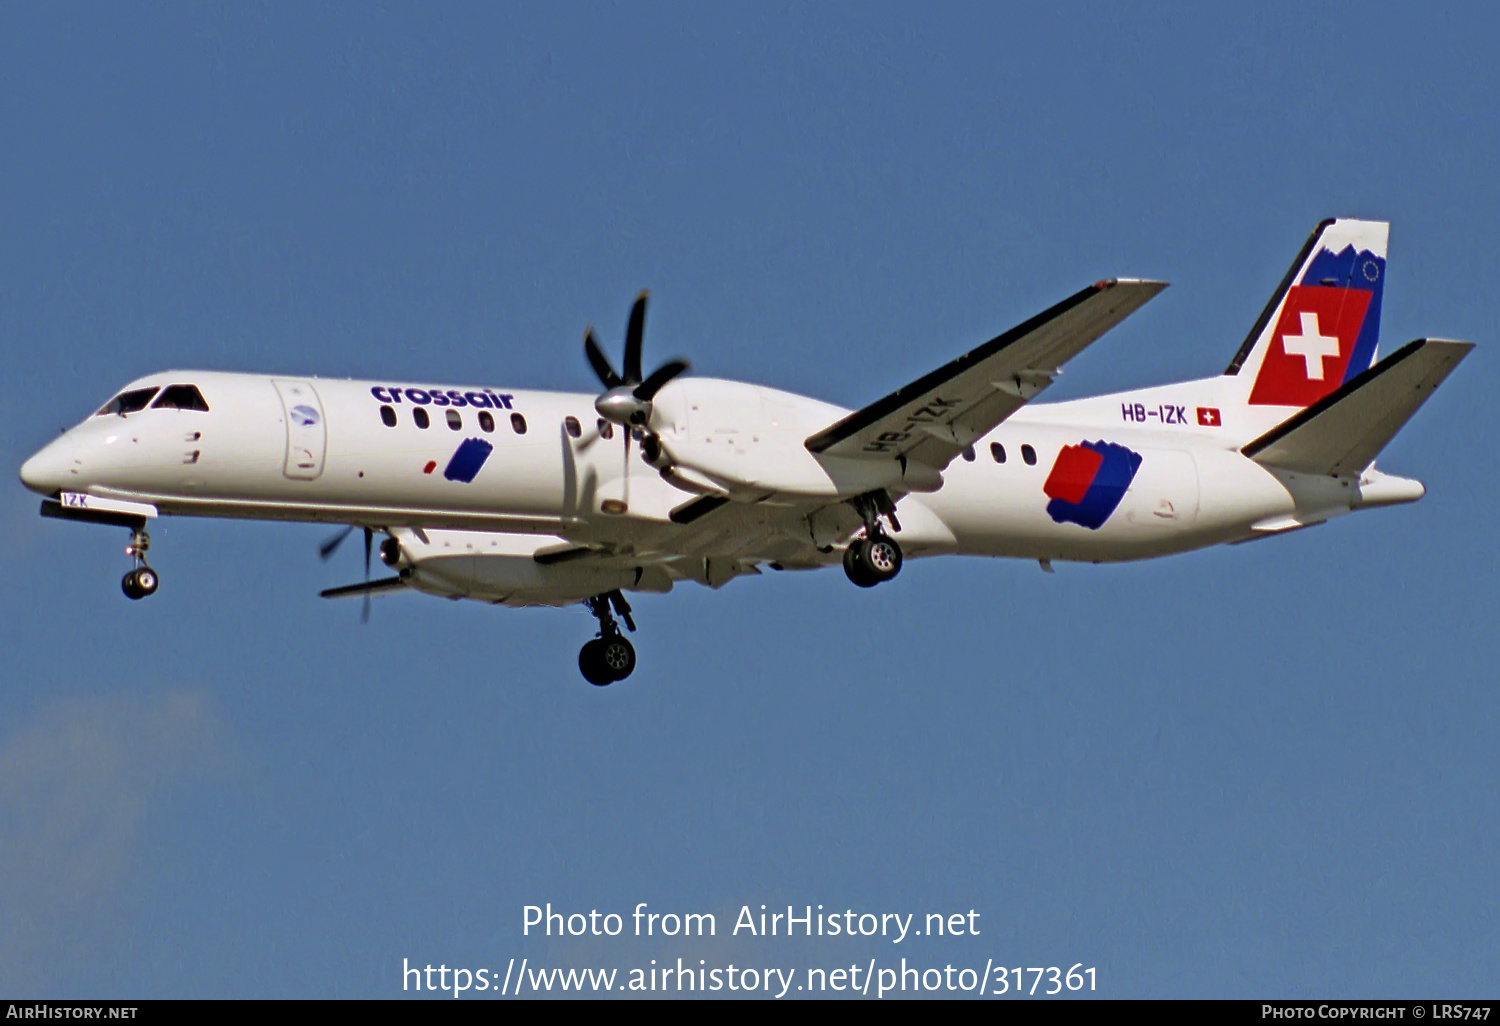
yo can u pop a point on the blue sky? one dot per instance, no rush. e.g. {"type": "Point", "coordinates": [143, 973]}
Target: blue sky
{"type": "Point", "coordinates": [1261, 770]}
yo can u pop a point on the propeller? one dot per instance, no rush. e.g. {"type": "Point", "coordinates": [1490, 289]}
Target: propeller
{"type": "Point", "coordinates": [329, 547]}
{"type": "Point", "coordinates": [627, 396]}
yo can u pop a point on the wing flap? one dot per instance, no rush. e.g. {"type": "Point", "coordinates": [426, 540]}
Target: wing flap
{"type": "Point", "coordinates": [1343, 432]}
{"type": "Point", "coordinates": [940, 414]}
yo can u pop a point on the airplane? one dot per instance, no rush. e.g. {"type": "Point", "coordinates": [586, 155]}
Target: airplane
{"type": "Point", "coordinates": [531, 498]}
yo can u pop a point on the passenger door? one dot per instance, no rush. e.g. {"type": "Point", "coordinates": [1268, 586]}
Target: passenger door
{"type": "Point", "coordinates": [306, 430]}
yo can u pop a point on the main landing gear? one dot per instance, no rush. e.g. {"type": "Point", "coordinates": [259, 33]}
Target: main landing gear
{"type": "Point", "coordinates": [142, 580]}
{"type": "Point", "coordinates": [874, 558]}
{"type": "Point", "coordinates": [609, 657]}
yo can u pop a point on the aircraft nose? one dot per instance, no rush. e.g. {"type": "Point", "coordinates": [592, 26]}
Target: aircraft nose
{"type": "Point", "coordinates": [47, 471]}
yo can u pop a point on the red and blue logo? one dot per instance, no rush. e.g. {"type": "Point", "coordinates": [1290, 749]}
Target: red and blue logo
{"type": "Point", "coordinates": [467, 459]}
{"type": "Point", "coordinates": [1088, 481]}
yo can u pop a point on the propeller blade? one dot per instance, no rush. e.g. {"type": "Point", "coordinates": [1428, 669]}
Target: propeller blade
{"type": "Point", "coordinates": [599, 361]}
{"type": "Point", "coordinates": [626, 483]}
{"type": "Point", "coordinates": [633, 335]}
{"type": "Point", "coordinates": [329, 547]}
{"type": "Point", "coordinates": [589, 438]}
{"type": "Point", "coordinates": [364, 613]}
{"type": "Point", "coordinates": [647, 389]}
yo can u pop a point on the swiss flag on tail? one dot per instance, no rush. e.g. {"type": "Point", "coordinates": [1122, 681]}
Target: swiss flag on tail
{"type": "Point", "coordinates": [1208, 416]}
{"type": "Point", "coordinates": [1310, 350]}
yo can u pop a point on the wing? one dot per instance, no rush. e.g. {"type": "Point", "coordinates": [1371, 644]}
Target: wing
{"type": "Point", "coordinates": [936, 417]}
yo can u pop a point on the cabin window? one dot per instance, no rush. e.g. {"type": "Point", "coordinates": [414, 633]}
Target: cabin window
{"type": "Point", "coordinates": [997, 451]}
{"type": "Point", "coordinates": [1029, 455]}
{"type": "Point", "coordinates": [454, 420]}
{"type": "Point", "coordinates": [128, 402]}
{"type": "Point", "coordinates": [518, 423]}
{"type": "Point", "coordinates": [573, 427]}
{"type": "Point", "coordinates": [606, 429]}
{"type": "Point", "coordinates": [180, 397]}
{"type": "Point", "coordinates": [968, 454]}
{"type": "Point", "coordinates": [486, 420]}
{"type": "Point", "coordinates": [419, 417]}
{"type": "Point", "coordinates": [388, 416]}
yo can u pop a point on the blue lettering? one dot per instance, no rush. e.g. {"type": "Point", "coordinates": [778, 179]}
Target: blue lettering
{"type": "Point", "coordinates": [480, 400]}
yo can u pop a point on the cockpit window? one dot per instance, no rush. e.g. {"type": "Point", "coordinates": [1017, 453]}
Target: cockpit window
{"type": "Point", "coordinates": [181, 397]}
{"type": "Point", "coordinates": [128, 402]}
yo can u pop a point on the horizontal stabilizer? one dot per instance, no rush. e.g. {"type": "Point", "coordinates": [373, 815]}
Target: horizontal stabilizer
{"type": "Point", "coordinates": [365, 588]}
{"type": "Point", "coordinates": [1342, 433]}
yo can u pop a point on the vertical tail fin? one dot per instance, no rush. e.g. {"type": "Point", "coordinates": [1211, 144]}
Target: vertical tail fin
{"type": "Point", "coordinates": [1322, 325]}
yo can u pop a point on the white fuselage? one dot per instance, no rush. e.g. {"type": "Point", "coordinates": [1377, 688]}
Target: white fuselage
{"type": "Point", "coordinates": [498, 475]}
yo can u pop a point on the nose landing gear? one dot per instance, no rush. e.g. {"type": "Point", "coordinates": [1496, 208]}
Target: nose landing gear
{"type": "Point", "coordinates": [608, 657]}
{"type": "Point", "coordinates": [141, 581]}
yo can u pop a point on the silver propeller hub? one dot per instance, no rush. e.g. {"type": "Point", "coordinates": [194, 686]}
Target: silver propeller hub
{"type": "Point", "coordinates": [620, 406]}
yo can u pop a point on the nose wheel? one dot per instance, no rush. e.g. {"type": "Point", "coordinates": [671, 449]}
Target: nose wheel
{"type": "Point", "coordinates": [139, 583]}
{"type": "Point", "coordinates": [608, 657]}
{"type": "Point", "coordinates": [142, 580]}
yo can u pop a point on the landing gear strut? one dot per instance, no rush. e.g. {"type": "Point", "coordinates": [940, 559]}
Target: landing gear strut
{"type": "Point", "coordinates": [874, 558]}
{"type": "Point", "coordinates": [609, 657]}
{"type": "Point", "coordinates": [142, 580]}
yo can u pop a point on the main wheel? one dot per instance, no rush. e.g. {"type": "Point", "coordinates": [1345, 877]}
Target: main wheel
{"type": "Point", "coordinates": [881, 556]}
{"type": "Point", "coordinates": [129, 586]}
{"type": "Point", "coordinates": [871, 561]}
{"type": "Point", "coordinates": [618, 656]}
{"type": "Point", "coordinates": [855, 569]}
{"type": "Point", "coordinates": [591, 664]}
